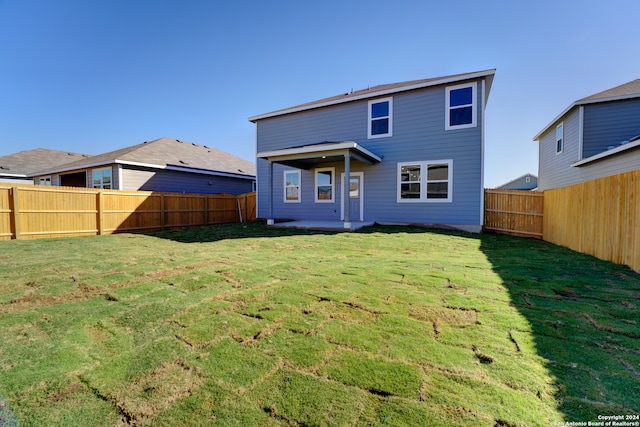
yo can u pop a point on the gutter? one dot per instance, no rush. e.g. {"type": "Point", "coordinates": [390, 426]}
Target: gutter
{"type": "Point", "coordinates": [152, 166]}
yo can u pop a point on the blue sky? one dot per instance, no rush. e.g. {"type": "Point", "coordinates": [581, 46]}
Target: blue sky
{"type": "Point", "coordinates": [92, 76]}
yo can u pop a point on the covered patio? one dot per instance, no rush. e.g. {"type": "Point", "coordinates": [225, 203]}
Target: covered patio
{"type": "Point", "coordinates": [323, 225]}
{"type": "Point", "coordinates": [310, 156]}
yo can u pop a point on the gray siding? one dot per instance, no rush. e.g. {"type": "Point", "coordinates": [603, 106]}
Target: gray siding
{"type": "Point", "coordinates": [181, 182]}
{"type": "Point", "coordinates": [609, 123]}
{"type": "Point", "coordinates": [555, 170]}
{"type": "Point", "coordinates": [604, 124]}
{"type": "Point", "coordinates": [618, 163]}
{"type": "Point", "coordinates": [418, 135]}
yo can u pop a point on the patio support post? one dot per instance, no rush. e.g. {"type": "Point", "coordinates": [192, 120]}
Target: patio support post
{"type": "Point", "coordinates": [347, 190]}
{"type": "Point", "coordinates": [270, 220]}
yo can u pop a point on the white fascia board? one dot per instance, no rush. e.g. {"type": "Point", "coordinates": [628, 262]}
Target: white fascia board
{"type": "Point", "coordinates": [318, 149]}
{"type": "Point", "coordinates": [375, 94]}
{"type": "Point", "coordinates": [607, 153]}
{"type": "Point", "coordinates": [148, 165]}
{"type": "Point", "coordinates": [144, 165]}
{"type": "Point", "coordinates": [558, 117]}
{"type": "Point", "coordinates": [587, 102]}
{"type": "Point", "coordinates": [17, 175]}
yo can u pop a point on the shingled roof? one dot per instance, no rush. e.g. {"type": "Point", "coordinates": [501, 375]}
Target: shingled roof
{"type": "Point", "coordinates": [624, 91]}
{"type": "Point", "coordinates": [380, 90]}
{"type": "Point", "coordinates": [27, 163]}
{"type": "Point", "coordinates": [627, 90]}
{"type": "Point", "coordinates": [167, 153]}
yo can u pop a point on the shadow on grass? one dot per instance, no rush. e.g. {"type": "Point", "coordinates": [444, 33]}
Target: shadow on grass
{"type": "Point", "coordinates": [214, 233]}
{"type": "Point", "coordinates": [585, 319]}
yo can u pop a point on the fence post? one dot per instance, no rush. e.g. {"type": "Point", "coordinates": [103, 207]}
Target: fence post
{"type": "Point", "coordinates": [206, 210]}
{"type": "Point", "coordinates": [15, 218]}
{"type": "Point", "coordinates": [162, 220]}
{"type": "Point", "coordinates": [246, 211]}
{"type": "Point", "coordinates": [100, 217]}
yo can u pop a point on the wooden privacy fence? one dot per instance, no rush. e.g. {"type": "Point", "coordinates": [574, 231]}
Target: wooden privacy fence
{"type": "Point", "coordinates": [515, 212]}
{"type": "Point", "coordinates": [29, 212]}
{"type": "Point", "coordinates": [599, 217]}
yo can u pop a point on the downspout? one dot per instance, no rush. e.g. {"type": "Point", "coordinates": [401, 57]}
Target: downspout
{"type": "Point", "coordinates": [482, 107]}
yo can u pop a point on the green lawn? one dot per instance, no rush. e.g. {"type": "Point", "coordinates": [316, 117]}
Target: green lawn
{"type": "Point", "coordinates": [246, 325]}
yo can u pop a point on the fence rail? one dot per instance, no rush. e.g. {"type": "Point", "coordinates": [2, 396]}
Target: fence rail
{"type": "Point", "coordinates": [515, 212]}
{"type": "Point", "coordinates": [28, 212]}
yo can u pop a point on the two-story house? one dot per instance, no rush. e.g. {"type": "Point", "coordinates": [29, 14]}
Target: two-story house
{"type": "Point", "coordinates": [594, 137]}
{"type": "Point", "coordinates": [412, 152]}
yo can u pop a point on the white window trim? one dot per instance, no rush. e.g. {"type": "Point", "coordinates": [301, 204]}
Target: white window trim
{"type": "Point", "coordinates": [423, 181]}
{"type": "Point", "coordinates": [102, 178]}
{"type": "Point", "coordinates": [474, 106]}
{"type": "Point", "coordinates": [333, 185]}
{"type": "Point", "coordinates": [390, 117]}
{"type": "Point", "coordinates": [555, 138]}
{"type": "Point", "coordinates": [43, 180]}
{"type": "Point", "coordinates": [284, 186]}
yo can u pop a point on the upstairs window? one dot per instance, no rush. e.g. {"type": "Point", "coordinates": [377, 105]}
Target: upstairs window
{"type": "Point", "coordinates": [559, 138]}
{"type": "Point", "coordinates": [461, 101]}
{"type": "Point", "coordinates": [292, 186]}
{"type": "Point", "coordinates": [380, 118]}
{"type": "Point", "coordinates": [102, 178]}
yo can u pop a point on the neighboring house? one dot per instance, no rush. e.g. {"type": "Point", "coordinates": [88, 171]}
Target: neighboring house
{"type": "Point", "coordinates": [19, 168]}
{"type": "Point", "coordinates": [527, 181]}
{"type": "Point", "coordinates": [593, 138]}
{"type": "Point", "coordinates": [413, 152]}
{"type": "Point", "coordinates": [166, 164]}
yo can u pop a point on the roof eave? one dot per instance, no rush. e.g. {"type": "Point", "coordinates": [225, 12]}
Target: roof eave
{"type": "Point", "coordinates": [149, 165]}
{"type": "Point", "coordinates": [320, 148]}
{"type": "Point", "coordinates": [583, 102]}
{"type": "Point", "coordinates": [375, 94]}
{"type": "Point", "coordinates": [14, 175]}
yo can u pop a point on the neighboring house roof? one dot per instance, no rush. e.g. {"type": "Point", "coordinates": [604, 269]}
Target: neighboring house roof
{"type": "Point", "coordinates": [628, 90]}
{"type": "Point", "coordinates": [507, 184]}
{"type": "Point", "coordinates": [168, 153]}
{"type": "Point", "coordinates": [380, 90]}
{"type": "Point", "coordinates": [27, 163]}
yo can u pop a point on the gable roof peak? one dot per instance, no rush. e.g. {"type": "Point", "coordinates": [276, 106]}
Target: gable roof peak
{"type": "Point", "coordinates": [621, 92]}
{"type": "Point", "coordinates": [167, 152]}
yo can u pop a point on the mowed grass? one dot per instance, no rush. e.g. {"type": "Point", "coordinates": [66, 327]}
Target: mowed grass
{"type": "Point", "coordinates": [246, 325]}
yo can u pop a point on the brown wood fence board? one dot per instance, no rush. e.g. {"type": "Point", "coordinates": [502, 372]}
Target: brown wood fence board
{"type": "Point", "coordinates": [514, 212]}
{"type": "Point", "coordinates": [39, 211]}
